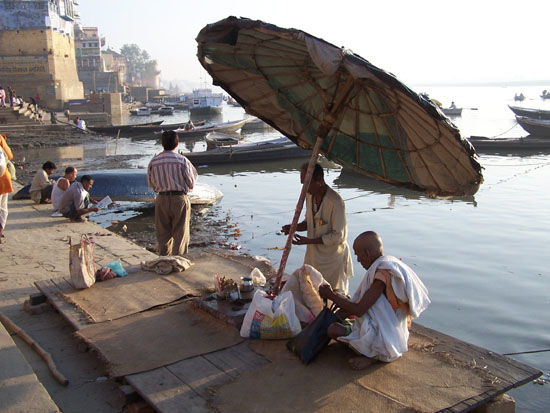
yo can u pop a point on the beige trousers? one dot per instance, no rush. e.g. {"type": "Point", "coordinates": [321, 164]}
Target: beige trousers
{"type": "Point", "coordinates": [172, 219]}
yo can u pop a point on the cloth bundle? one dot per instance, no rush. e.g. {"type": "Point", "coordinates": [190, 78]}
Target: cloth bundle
{"type": "Point", "coordinates": [304, 285]}
{"type": "Point", "coordinates": [166, 265]}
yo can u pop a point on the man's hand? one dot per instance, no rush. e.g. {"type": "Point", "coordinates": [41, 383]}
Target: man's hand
{"type": "Point", "coordinates": [301, 240]}
{"type": "Point", "coordinates": [93, 201]}
{"type": "Point", "coordinates": [325, 291]}
{"type": "Point", "coordinates": [285, 229]}
{"type": "Point", "coordinates": [94, 209]}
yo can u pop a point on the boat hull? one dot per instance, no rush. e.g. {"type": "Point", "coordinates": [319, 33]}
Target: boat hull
{"type": "Point", "coordinates": [535, 127]}
{"type": "Point", "coordinates": [530, 113]}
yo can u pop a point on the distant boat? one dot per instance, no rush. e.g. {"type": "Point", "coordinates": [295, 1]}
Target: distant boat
{"type": "Point", "coordinates": [226, 127]}
{"type": "Point", "coordinates": [452, 111]}
{"type": "Point", "coordinates": [530, 113]}
{"type": "Point", "coordinates": [535, 127]}
{"type": "Point", "coordinates": [519, 98]}
{"type": "Point", "coordinates": [166, 110]}
{"type": "Point", "coordinates": [121, 128]}
{"type": "Point", "coordinates": [217, 139]}
{"type": "Point", "coordinates": [204, 101]}
{"type": "Point", "coordinates": [545, 94]}
{"type": "Point", "coordinates": [273, 149]}
{"type": "Point", "coordinates": [143, 111]}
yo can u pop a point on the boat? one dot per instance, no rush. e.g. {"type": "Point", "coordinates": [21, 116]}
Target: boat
{"type": "Point", "coordinates": [272, 149]}
{"type": "Point", "coordinates": [217, 139]}
{"type": "Point", "coordinates": [226, 127]}
{"type": "Point", "coordinates": [143, 111]}
{"type": "Point", "coordinates": [545, 94]}
{"type": "Point", "coordinates": [255, 125]}
{"type": "Point", "coordinates": [166, 110]}
{"type": "Point", "coordinates": [519, 98]}
{"type": "Point", "coordinates": [131, 185]}
{"type": "Point", "coordinates": [205, 101]}
{"type": "Point", "coordinates": [505, 145]}
{"type": "Point", "coordinates": [121, 128]}
{"type": "Point", "coordinates": [535, 127]}
{"type": "Point", "coordinates": [530, 113]}
{"type": "Point", "coordinates": [452, 111]}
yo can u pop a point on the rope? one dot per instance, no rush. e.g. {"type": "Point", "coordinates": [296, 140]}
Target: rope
{"type": "Point", "coordinates": [500, 134]}
{"type": "Point", "coordinates": [526, 352]}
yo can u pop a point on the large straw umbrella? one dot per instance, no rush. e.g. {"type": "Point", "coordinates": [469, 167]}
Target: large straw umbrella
{"type": "Point", "coordinates": [337, 103]}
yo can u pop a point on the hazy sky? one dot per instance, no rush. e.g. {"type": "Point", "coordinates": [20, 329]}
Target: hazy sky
{"type": "Point", "coordinates": [418, 41]}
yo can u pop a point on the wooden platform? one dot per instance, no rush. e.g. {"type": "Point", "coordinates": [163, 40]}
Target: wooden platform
{"type": "Point", "coordinates": [192, 384]}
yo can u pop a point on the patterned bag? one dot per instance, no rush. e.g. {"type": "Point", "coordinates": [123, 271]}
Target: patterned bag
{"type": "Point", "coordinates": [81, 263]}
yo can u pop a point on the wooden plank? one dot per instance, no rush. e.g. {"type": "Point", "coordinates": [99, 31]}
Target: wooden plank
{"type": "Point", "coordinates": [199, 374]}
{"type": "Point", "coordinates": [67, 310]}
{"type": "Point", "coordinates": [166, 393]}
{"type": "Point", "coordinates": [236, 360]}
{"type": "Point", "coordinates": [510, 372]}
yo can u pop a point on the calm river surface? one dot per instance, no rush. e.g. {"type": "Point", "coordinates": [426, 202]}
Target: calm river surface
{"type": "Point", "coordinates": [483, 258]}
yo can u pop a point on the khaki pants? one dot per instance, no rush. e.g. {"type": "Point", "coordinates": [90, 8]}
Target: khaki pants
{"type": "Point", "coordinates": [172, 219]}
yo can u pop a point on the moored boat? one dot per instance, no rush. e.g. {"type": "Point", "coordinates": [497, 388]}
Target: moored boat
{"type": "Point", "coordinates": [217, 139]}
{"type": "Point", "coordinates": [205, 101]}
{"type": "Point", "coordinates": [143, 111]}
{"type": "Point", "coordinates": [530, 113]}
{"type": "Point", "coordinates": [273, 149]}
{"type": "Point", "coordinates": [166, 111]}
{"type": "Point", "coordinates": [122, 128]}
{"type": "Point", "coordinates": [226, 127]}
{"type": "Point", "coordinates": [535, 127]}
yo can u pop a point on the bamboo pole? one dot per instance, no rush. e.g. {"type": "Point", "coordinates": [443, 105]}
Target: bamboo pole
{"type": "Point", "coordinates": [116, 141]}
{"type": "Point", "coordinates": [13, 328]}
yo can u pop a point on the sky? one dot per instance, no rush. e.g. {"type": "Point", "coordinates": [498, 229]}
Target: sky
{"type": "Point", "coordinates": [420, 42]}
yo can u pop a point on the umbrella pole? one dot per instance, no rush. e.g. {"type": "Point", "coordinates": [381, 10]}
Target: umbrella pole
{"type": "Point", "coordinates": [297, 213]}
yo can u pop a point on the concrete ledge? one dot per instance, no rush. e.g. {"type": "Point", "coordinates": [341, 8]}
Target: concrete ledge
{"type": "Point", "coordinates": [20, 390]}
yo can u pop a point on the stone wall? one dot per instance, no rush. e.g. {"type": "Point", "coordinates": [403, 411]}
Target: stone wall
{"type": "Point", "coordinates": [40, 61]}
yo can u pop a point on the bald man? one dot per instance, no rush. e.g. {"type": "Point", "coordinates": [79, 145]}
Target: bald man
{"type": "Point", "coordinates": [389, 296]}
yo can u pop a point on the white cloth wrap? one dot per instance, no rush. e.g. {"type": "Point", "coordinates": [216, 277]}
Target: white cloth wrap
{"type": "Point", "coordinates": [382, 332]}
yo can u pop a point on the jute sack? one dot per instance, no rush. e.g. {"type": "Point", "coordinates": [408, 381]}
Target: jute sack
{"type": "Point", "coordinates": [81, 263]}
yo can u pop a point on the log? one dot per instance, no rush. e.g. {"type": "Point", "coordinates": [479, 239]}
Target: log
{"type": "Point", "coordinates": [14, 329]}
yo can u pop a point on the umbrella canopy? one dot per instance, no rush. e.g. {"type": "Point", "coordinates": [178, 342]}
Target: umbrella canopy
{"type": "Point", "coordinates": [368, 120]}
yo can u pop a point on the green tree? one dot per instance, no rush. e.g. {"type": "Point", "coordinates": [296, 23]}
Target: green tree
{"type": "Point", "coordinates": [139, 61]}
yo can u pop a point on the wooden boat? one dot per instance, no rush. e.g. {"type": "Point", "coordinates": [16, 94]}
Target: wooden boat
{"type": "Point", "coordinates": [148, 129]}
{"type": "Point", "coordinates": [205, 101]}
{"type": "Point", "coordinates": [226, 127]}
{"type": "Point", "coordinates": [504, 145]}
{"type": "Point", "coordinates": [273, 149]}
{"type": "Point", "coordinates": [166, 110]}
{"type": "Point", "coordinates": [121, 128]}
{"type": "Point", "coordinates": [217, 139]}
{"type": "Point", "coordinates": [535, 127]}
{"type": "Point", "coordinates": [519, 98]}
{"type": "Point", "coordinates": [452, 111]}
{"type": "Point", "coordinates": [530, 113]}
{"type": "Point", "coordinates": [143, 111]}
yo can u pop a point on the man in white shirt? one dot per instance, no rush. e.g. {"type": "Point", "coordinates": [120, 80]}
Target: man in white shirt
{"type": "Point", "coordinates": [42, 185]}
{"type": "Point", "coordinates": [76, 200]}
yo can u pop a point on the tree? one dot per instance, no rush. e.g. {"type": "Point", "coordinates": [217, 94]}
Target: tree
{"type": "Point", "coordinates": [139, 61]}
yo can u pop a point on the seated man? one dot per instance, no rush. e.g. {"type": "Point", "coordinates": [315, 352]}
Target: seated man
{"type": "Point", "coordinates": [42, 185]}
{"type": "Point", "coordinates": [189, 125]}
{"type": "Point", "coordinates": [62, 184]}
{"type": "Point", "coordinates": [389, 295]}
{"type": "Point", "coordinates": [76, 200]}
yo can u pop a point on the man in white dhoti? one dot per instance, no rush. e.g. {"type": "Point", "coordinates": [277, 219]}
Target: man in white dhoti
{"type": "Point", "coordinates": [389, 296]}
{"type": "Point", "coordinates": [327, 231]}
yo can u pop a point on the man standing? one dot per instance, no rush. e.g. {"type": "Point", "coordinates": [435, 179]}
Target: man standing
{"type": "Point", "coordinates": [76, 202]}
{"type": "Point", "coordinates": [389, 296]}
{"type": "Point", "coordinates": [42, 185]}
{"type": "Point", "coordinates": [172, 175]}
{"type": "Point", "coordinates": [327, 231]}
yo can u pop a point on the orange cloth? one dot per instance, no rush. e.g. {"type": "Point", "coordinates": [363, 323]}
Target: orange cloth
{"type": "Point", "coordinates": [5, 180]}
{"type": "Point", "coordinates": [385, 277]}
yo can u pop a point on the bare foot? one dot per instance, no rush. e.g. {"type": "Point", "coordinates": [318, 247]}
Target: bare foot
{"type": "Point", "coordinates": [361, 362]}
{"type": "Point", "coordinates": [46, 201]}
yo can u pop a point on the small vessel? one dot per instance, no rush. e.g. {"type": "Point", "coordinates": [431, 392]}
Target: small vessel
{"type": "Point", "coordinates": [535, 127]}
{"type": "Point", "coordinates": [217, 139]}
{"type": "Point", "coordinates": [519, 98]}
{"type": "Point", "coordinates": [226, 127]}
{"type": "Point", "coordinates": [205, 101]}
{"type": "Point", "coordinates": [545, 94]}
{"type": "Point", "coordinates": [530, 113]}
{"type": "Point", "coordinates": [143, 111]}
{"type": "Point", "coordinates": [452, 111]}
{"type": "Point", "coordinates": [166, 110]}
{"type": "Point", "coordinates": [268, 150]}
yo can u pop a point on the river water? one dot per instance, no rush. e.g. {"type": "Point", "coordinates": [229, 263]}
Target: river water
{"type": "Point", "coordinates": [483, 258]}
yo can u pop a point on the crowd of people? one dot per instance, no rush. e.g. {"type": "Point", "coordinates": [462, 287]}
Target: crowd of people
{"type": "Point", "coordinates": [374, 321]}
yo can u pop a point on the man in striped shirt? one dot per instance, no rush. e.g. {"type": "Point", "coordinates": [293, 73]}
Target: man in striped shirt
{"type": "Point", "coordinates": [172, 175]}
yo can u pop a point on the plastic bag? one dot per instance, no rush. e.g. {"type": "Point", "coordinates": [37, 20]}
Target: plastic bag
{"type": "Point", "coordinates": [81, 263]}
{"type": "Point", "coordinates": [270, 319]}
{"type": "Point", "coordinates": [258, 277]}
{"type": "Point", "coordinates": [117, 268]}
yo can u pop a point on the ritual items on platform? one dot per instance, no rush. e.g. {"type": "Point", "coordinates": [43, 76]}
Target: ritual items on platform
{"type": "Point", "coordinates": [224, 286]}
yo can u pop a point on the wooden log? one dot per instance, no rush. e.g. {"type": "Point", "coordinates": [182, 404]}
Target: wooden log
{"type": "Point", "coordinates": [13, 328]}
